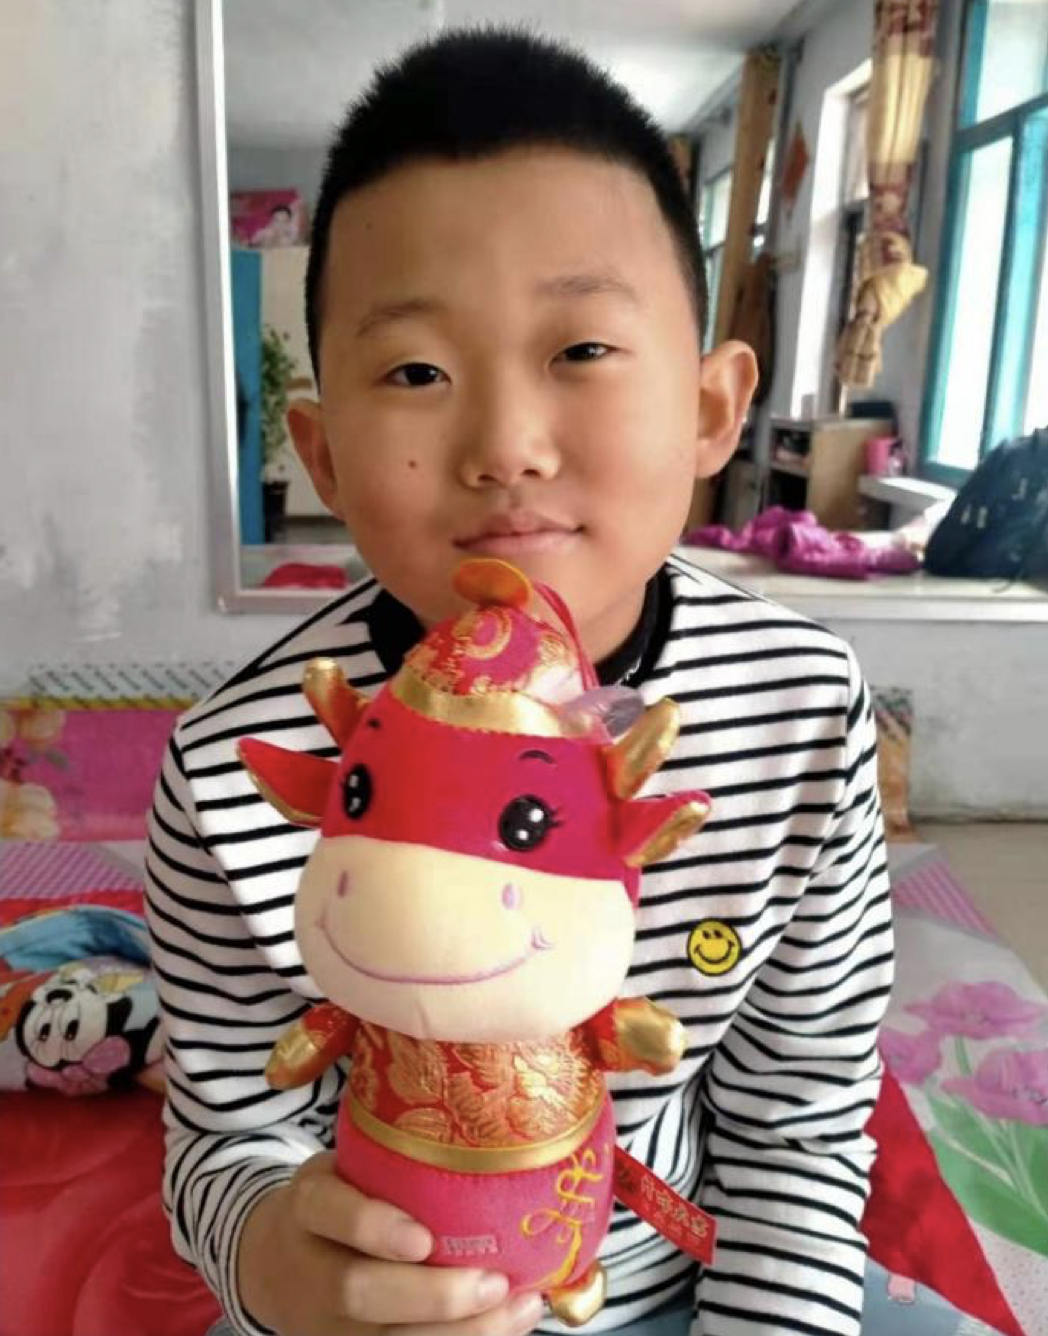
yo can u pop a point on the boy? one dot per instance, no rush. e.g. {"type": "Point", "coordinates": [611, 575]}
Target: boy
{"type": "Point", "coordinates": [505, 302]}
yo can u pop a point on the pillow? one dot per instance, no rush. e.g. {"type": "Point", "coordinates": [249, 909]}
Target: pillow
{"type": "Point", "coordinates": [78, 1008]}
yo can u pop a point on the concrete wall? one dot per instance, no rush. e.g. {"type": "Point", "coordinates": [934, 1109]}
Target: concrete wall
{"type": "Point", "coordinates": [104, 512]}
{"type": "Point", "coordinates": [265, 168]}
{"type": "Point", "coordinates": [980, 727]}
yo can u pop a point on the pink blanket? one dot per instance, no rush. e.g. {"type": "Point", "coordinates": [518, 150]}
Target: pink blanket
{"type": "Point", "coordinates": [798, 543]}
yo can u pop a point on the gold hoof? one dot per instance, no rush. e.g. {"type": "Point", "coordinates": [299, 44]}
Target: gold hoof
{"type": "Point", "coordinates": [575, 1304]}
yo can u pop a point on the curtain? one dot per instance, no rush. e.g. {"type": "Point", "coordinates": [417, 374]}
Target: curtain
{"type": "Point", "coordinates": [903, 62]}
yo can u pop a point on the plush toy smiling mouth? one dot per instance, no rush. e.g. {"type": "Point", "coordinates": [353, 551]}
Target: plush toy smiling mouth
{"type": "Point", "coordinates": [538, 943]}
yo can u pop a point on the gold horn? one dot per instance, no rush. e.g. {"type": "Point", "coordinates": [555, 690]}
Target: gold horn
{"type": "Point", "coordinates": [635, 757]}
{"type": "Point", "coordinates": [336, 704]}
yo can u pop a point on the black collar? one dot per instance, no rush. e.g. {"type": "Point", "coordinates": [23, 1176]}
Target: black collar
{"type": "Point", "coordinates": [394, 629]}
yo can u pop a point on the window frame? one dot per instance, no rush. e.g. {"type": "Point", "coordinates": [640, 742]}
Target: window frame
{"type": "Point", "coordinates": [1024, 255]}
{"type": "Point", "coordinates": [853, 219]}
{"type": "Point", "coordinates": [711, 253]}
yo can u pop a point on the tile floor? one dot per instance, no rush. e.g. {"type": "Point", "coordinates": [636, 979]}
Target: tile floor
{"type": "Point", "coordinates": [1004, 867]}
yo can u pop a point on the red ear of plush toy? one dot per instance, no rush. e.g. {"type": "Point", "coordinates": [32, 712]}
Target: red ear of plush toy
{"type": "Point", "coordinates": [295, 783]}
{"type": "Point", "coordinates": [915, 1225]}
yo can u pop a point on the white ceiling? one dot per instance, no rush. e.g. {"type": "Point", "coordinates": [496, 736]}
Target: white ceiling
{"type": "Point", "coordinates": [293, 65]}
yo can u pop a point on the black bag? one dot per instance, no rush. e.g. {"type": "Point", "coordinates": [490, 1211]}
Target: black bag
{"type": "Point", "coordinates": [997, 526]}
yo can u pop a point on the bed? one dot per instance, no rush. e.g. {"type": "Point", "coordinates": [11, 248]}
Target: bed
{"type": "Point", "coordinates": [960, 1201]}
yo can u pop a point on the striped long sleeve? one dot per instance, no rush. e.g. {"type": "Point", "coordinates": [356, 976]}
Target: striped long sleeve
{"type": "Point", "coordinates": [762, 1119]}
{"type": "Point", "coordinates": [789, 1089]}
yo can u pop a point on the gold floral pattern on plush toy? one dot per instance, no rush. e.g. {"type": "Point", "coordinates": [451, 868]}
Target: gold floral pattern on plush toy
{"type": "Point", "coordinates": [475, 1094]}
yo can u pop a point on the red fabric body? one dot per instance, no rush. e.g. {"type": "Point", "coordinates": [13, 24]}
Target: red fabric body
{"type": "Point", "coordinates": [443, 786]}
{"type": "Point", "coordinates": [915, 1225]}
{"type": "Point", "coordinates": [486, 1219]}
{"type": "Point", "coordinates": [85, 1249]}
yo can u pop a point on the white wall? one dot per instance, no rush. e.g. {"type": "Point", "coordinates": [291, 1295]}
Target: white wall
{"type": "Point", "coordinates": [104, 531]}
{"type": "Point", "coordinates": [260, 167]}
{"type": "Point", "coordinates": [980, 727]}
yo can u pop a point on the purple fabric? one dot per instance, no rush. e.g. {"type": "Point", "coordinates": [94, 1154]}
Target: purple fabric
{"type": "Point", "coordinates": [796, 542]}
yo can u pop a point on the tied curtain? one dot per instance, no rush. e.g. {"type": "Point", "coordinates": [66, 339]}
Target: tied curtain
{"type": "Point", "coordinates": [903, 62]}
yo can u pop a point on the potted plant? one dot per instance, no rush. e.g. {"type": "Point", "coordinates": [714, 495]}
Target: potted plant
{"type": "Point", "coordinates": [278, 367]}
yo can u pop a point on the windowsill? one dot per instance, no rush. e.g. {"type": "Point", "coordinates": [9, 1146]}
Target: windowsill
{"type": "Point", "coordinates": [908, 598]}
{"type": "Point", "coordinates": [911, 598]}
{"type": "Point", "coordinates": [905, 493]}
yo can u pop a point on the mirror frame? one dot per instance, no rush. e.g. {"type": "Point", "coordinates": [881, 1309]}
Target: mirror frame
{"type": "Point", "coordinates": [231, 595]}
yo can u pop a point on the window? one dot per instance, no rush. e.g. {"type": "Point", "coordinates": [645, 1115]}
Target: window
{"type": "Point", "coordinates": [760, 223]}
{"type": "Point", "coordinates": [713, 227]}
{"type": "Point", "coordinates": [854, 197]}
{"type": "Point", "coordinates": [714, 204]}
{"type": "Point", "coordinates": [989, 367]}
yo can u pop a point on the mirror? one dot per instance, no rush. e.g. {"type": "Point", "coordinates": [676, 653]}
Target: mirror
{"type": "Point", "coordinates": [276, 77]}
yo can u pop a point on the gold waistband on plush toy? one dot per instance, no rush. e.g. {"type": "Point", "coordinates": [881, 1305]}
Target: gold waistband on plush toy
{"type": "Point", "coordinates": [474, 1159]}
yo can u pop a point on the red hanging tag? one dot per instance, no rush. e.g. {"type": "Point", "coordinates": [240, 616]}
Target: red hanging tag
{"type": "Point", "coordinates": [692, 1230]}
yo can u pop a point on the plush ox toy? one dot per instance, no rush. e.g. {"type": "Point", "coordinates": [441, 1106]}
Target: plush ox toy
{"type": "Point", "coordinates": [469, 913]}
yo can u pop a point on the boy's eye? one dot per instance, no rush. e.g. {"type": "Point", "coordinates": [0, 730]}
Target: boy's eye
{"type": "Point", "coordinates": [586, 352]}
{"type": "Point", "coordinates": [414, 375]}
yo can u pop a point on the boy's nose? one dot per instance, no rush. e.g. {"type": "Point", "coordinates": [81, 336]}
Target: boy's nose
{"type": "Point", "coordinates": [506, 442]}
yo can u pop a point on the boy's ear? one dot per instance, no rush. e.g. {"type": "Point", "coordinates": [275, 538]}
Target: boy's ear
{"type": "Point", "coordinates": [305, 422]}
{"type": "Point", "coordinates": [727, 379]}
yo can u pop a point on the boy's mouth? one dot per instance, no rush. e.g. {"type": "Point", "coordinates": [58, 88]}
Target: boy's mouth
{"type": "Point", "coordinates": [518, 531]}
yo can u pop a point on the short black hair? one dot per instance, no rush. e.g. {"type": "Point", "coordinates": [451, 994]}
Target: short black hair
{"type": "Point", "coordinates": [477, 91]}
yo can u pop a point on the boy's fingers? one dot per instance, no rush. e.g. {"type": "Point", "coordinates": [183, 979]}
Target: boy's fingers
{"type": "Point", "coordinates": [394, 1294]}
{"type": "Point", "coordinates": [514, 1318]}
{"type": "Point", "coordinates": [327, 1206]}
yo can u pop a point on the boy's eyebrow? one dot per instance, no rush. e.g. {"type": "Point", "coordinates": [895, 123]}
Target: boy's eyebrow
{"type": "Point", "coordinates": [598, 282]}
{"type": "Point", "coordinates": [589, 284]}
{"type": "Point", "coordinates": [389, 312]}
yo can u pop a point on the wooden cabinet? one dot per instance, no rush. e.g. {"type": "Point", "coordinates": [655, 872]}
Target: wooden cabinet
{"type": "Point", "coordinates": [816, 465]}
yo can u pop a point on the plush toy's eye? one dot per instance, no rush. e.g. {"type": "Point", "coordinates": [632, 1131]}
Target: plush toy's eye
{"type": "Point", "coordinates": [357, 792]}
{"type": "Point", "coordinates": [525, 822]}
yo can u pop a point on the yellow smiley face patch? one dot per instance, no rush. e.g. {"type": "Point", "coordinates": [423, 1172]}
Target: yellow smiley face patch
{"type": "Point", "coordinates": [714, 947]}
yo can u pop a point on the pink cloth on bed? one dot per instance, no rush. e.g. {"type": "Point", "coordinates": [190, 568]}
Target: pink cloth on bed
{"type": "Point", "coordinates": [798, 543]}
{"type": "Point", "coordinates": [86, 1248]}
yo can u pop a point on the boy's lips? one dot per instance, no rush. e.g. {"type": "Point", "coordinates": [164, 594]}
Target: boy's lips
{"type": "Point", "coordinates": [518, 531]}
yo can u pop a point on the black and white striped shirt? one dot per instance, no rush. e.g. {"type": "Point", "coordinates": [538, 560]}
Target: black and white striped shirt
{"type": "Point", "coordinates": [762, 1121]}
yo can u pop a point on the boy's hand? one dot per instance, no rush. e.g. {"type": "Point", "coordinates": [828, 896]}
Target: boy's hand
{"type": "Point", "coordinates": [317, 1258]}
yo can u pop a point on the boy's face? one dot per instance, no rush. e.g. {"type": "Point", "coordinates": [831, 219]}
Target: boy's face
{"type": "Point", "coordinates": [509, 366]}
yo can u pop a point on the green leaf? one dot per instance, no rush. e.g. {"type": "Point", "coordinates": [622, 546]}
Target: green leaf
{"type": "Point", "coordinates": [963, 1125]}
{"type": "Point", "coordinates": [989, 1200]}
{"type": "Point", "coordinates": [57, 758]}
{"type": "Point", "coordinates": [1031, 1145]}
